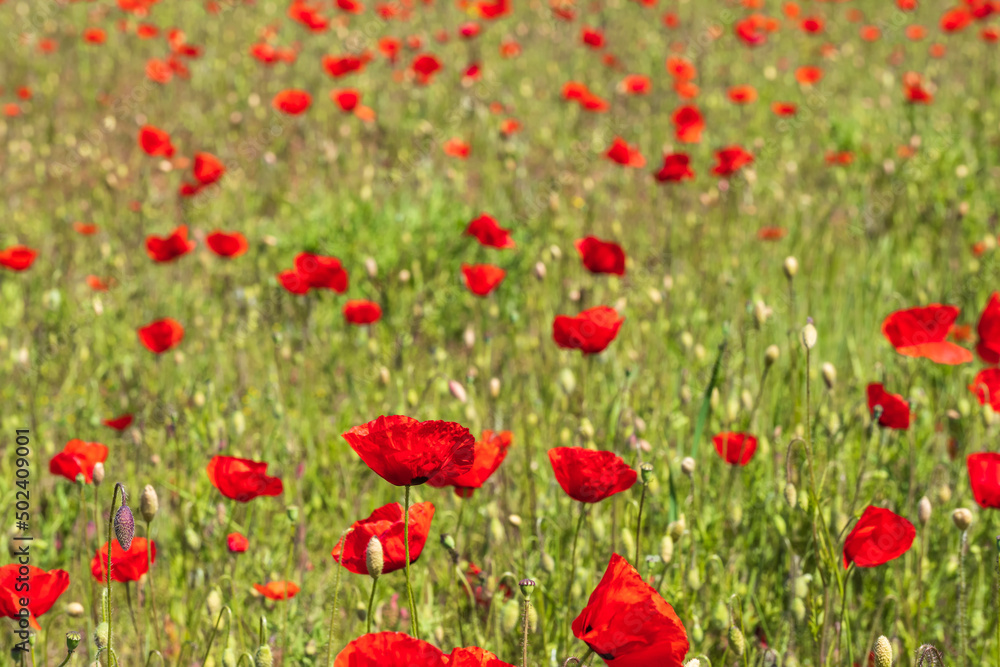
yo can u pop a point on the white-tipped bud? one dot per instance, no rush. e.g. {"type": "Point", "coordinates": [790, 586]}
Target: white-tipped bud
{"type": "Point", "coordinates": [687, 466]}
{"type": "Point", "coordinates": [829, 374]}
{"type": "Point", "coordinates": [540, 270]}
{"type": "Point", "coordinates": [494, 387]}
{"type": "Point", "coordinates": [469, 337]}
{"type": "Point", "coordinates": [809, 335]}
{"type": "Point", "coordinates": [374, 558]}
{"type": "Point", "coordinates": [75, 610]}
{"type": "Point", "coordinates": [924, 510]}
{"type": "Point", "coordinates": [962, 518]}
{"type": "Point", "coordinates": [458, 391]}
{"type": "Point", "coordinates": [791, 267]}
{"type": "Point", "coordinates": [98, 473]}
{"type": "Point", "coordinates": [371, 268]}
{"type": "Point", "coordinates": [149, 504]}
{"type": "Point", "coordinates": [771, 354]}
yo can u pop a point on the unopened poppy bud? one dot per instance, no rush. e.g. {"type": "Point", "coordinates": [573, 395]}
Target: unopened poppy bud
{"type": "Point", "coordinates": [791, 495]}
{"type": "Point", "coordinates": [374, 558]}
{"type": "Point", "coordinates": [228, 657]}
{"type": "Point", "coordinates": [791, 267]}
{"type": "Point", "coordinates": [514, 520]}
{"type": "Point", "coordinates": [761, 313]}
{"type": "Point", "coordinates": [72, 641]}
{"type": "Point", "coordinates": [736, 640]}
{"type": "Point", "coordinates": [799, 610]}
{"type": "Point", "coordinates": [944, 494]}
{"type": "Point", "coordinates": [829, 374]}
{"type": "Point", "coordinates": [687, 465]}
{"type": "Point", "coordinates": [75, 610]}
{"type": "Point", "coordinates": [924, 510]}
{"type": "Point", "coordinates": [98, 474]}
{"type": "Point", "coordinates": [540, 270]}
{"type": "Point", "coordinates": [80, 479]}
{"type": "Point", "coordinates": [677, 528]}
{"type": "Point", "coordinates": [527, 586]}
{"type": "Point", "coordinates": [694, 579]}
{"type": "Point", "coordinates": [192, 539]}
{"type": "Point", "coordinates": [263, 657]}
{"type": "Point", "coordinates": [882, 652]}
{"type": "Point", "coordinates": [809, 335]}
{"type": "Point", "coordinates": [962, 518]}
{"type": "Point", "coordinates": [646, 472]}
{"type": "Point", "coordinates": [458, 391]}
{"type": "Point", "coordinates": [547, 563]}
{"type": "Point", "coordinates": [790, 661]}
{"type": "Point", "coordinates": [371, 268]}
{"type": "Point", "coordinates": [448, 542]}
{"type": "Point", "coordinates": [149, 504]}
{"type": "Point", "coordinates": [124, 525]}
{"type": "Point", "coordinates": [101, 635]}
{"type": "Point", "coordinates": [666, 549]}
{"type": "Point", "coordinates": [771, 354]}
{"type": "Point", "coordinates": [292, 512]}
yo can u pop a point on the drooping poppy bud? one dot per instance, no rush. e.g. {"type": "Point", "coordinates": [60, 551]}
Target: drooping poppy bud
{"type": "Point", "coordinates": [124, 525]}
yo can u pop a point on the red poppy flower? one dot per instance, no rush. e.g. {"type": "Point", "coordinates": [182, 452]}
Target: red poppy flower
{"type": "Point", "coordinates": [808, 75]}
{"type": "Point", "coordinates": [878, 537]}
{"type": "Point", "coordinates": [389, 649]}
{"type": "Point", "coordinates": [236, 543]}
{"type": "Point", "coordinates": [601, 256]}
{"type": "Point", "coordinates": [676, 168]}
{"type": "Point", "coordinates": [78, 458]}
{"type": "Point", "coordinates": [688, 124]}
{"type": "Point", "coordinates": [955, 20]}
{"type": "Point", "coordinates": [624, 154]}
{"type": "Point", "coordinates": [914, 90]}
{"type": "Point", "coordinates": [628, 623]}
{"type": "Point", "coordinates": [986, 387]}
{"type": "Point", "coordinates": [870, 33]}
{"type": "Point", "coordinates": [277, 590]}
{"type": "Point", "coordinates": [119, 423]}
{"type": "Point", "coordinates": [771, 233]}
{"type": "Point", "coordinates": [455, 147]}
{"type": "Point", "coordinates": [424, 67]}
{"type": "Point", "coordinates": [338, 66]}
{"type": "Point", "coordinates": [385, 523]}
{"type": "Point", "coordinates": [895, 410]}
{"type": "Point", "coordinates": [469, 30]}
{"type": "Point", "coordinates": [44, 588]}
{"type": "Point", "coordinates": [984, 478]}
{"type": "Point", "coordinates": [308, 15]}
{"type": "Point", "coordinates": [990, 34]}
{"type": "Point", "coordinates": [168, 248]}
{"type": "Point", "coordinates": [474, 657]}
{"type": "Point", "coordinates": [489, 233]}
{"type": "Point", "coordinates": [590, 476]}
{"type": "Point", "coordinates": [242, 479]}
{"type": "Point", "coordinates": [292, 102]}
{"type": "Point", "coordinates": [681, 69]}
{"type": "Point", "coordinates": [161, 335]}
{"type": "Point", "coordinates": [841, 158]}
{"type": "Point", "coordinates": [730, 160]}
{"type": "Point", "coordinates": [207, 168]}
{"type": "Point", "coordinates": [347, 99]}
{"type": "Point", "coordinates": [94, 36]}
{"type": "Point", "coordinates": [85, 228]}
{"type": "Point", "coordinates": [351, 6]}
{"type": "Point", "coordinates": [636, 84]}
{"type": "Point", "coordinates": [159, 71]}
{"type": "Point", "coordinates": [293, 282]}
{"type": "Point", "coordinates": [227, 244]}
{"type": "Point", "coordinates": [96, 284]}
{"type": "Point", "coordinates": [125, 565]}
{"type": "Point", "coordinates": [574, 90]}
{"type": "Point", "coordinates": [783, 109]}
{"type": "Point", "coordinates": [319, 272]}
{"type": "Point", "coordinates": [921, 332]}
{"type": "Point", "coordinates": [742, 94]}
{"type": "Point", "coordinates": [592, 37]}
{"type": "Point", "coordinates": [360, 311]}
{"type": "Point", "coordinates": [406, 452]}
{"type": "Point", "coordinates": [155, 141]}
{"type": "Point", "coordinates": [590, 332]}
{"type": "Point", "coordinates": [482, 279]}
{"type": "Point", "coordinates": [17, 258]}
{"type": "Point", "coordinates": [813, 24]}
{"type": "Point", "coordinates": [594, 103]}
{"type": "Point", "coordinates": [490, 451]}
{"type": "Point", "coordinates": [735, 448]}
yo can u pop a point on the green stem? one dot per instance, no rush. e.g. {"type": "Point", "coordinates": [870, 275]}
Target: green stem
{"type": "Point", "coordinates": [288, 603]}
{"type": "Point", "coordinates": [333, 614]}
{"type": "Point", "coordinates": [215, 631]}
{"type": "Point", "coordinates": [152, 595]}
{"type": "Point", "coordinates": [845, 619]}
{"type": "Point", "coordinates": [572, 568]}
{"type": "Point", "coordinates": [371, 605]}
{"type": "Point", "coordinates": [107, 610]}
{"type": "Point", "coordinates": [962, 642]}
{"type": "Point", "coordinates": [524, 641]}
{"type": "Point", "coordinates": [638, 526]}
{"type": "Point", "coordinates": [406, 547]}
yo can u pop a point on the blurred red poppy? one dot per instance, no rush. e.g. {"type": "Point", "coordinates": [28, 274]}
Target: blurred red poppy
{"type": "Point", "coordinates": [424, 67]}
{"type": "Point", "coordinates": [278, 590]}
{"type": "Point", "coordinates": [808, 75]}
{"type": "Point", "coordinates": [94, 36]}
{"type": "Point", "coordinates": [161, 335]}
{"type": "Point", "coordinates": [986, 387]}
{"type": "Point", "coordinates": [455, 147]}
{"type": "Point", "coordinates": [742, 94]}
{"type": "Point", "coordinates": [489, 233]}
{"type": "Point", "coordinates": [735, 448]}
{"type": "Point", "coordinates": [78, 458]}
{"type": "Point", "coordinates": [636, 84]}
{"type": "Point", "coordinates": [813, 24]}
{"type": "Point", "coordinates": [41, 588]}
{"type": "Point", "coordinates": [474, 656]}
{"type": "Point", "coordinates": [207, 168]}
{"type": "Point", "coordinates": [750, 32]}
{"type": "Point", "coordinates": [125, 565]}
{"type": "Point", "coordinates": [155, 141]}
{"type": "Point", "coordinates": [984, 478]}
{"type": "Point", "coordinates": [681, 69]}
{"type": "Point", "coordinates": [590, 476]}
{"type": "Point", "coordinates": [490, 452]}
{"type": "Point", "coordinates": [730, 160]}
{"type": "Point", "coordinates": [227, 244]}
{"type": "Point", "coordinates": [236, 543]}
{"type": "Point", "coordinates": [17, 258]}
{"type": "Point", "coordinates": [601, 256]}
{"type": "Point", "coordinates": [338, 66]}
{"type": "Point", "coordinates": [242, 479]}
{"type": "Point", "coordinates": [389, 649]}
{"type": "Point", "coordinates": [360, 311]}
{"type": "Point", "coordinates": [771, 233]}
{"type": "Point", "coordinates": [628, 623]}
{"type": "Point", "coordinates": [590, 332]}
{"type": "Point", "coordinates": [676, 168]}
{"type": "Point", "coordinates": [895, 410]}
{"type": "Point", "coordinates": [386, 524]}
{"type": "Point", "coordinates": [870, 33]}
{"type": "Point", "coordinates": [292, 102]}
{"type": "Point", "coordinates": [624, 154]}
{"type": "Point", "coordinates": [921, 332]}
{"type": "Point", "coordinates": [170, 247]}
{"type": "Point", "coordinates": [159, 71]}
{"type": "Point", "coordinates": [406, 452]}
{"type": "Point", "coordinates": [347, 99]}
{"type": "Point", "coordinates": [314, 272]}
{"type": "Point", "coordinates": [914, 90]}
{"type": "Point", "coordinates": [119, 423]}
{"type": "Point", "coordinates": [592, 37]}
{"type": "Point", "coordinates": [85, 228]}
{"type": "Point", "coordinates": [878, 537]}
{"type": "Point", "coordinates": [482, 279]}
{"type": "Point", "coordinates": [308, 15]}
{"type": "Point", "coordinates": [955, 20]}
{"type": "Point", "coordinates": [688, 124]}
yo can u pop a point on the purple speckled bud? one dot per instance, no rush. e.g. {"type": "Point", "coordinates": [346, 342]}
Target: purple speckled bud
{"type": "Point", "coordinates": [124, 525]}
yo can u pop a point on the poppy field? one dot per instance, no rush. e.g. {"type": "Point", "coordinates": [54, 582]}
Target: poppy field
{"type": "Point", "coordinates": [483, 333]}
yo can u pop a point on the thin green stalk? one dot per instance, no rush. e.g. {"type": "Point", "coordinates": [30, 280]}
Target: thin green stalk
{"type": "Point", "coordinates": [962, 632]}
{"type": "Point", "coordinates": [572, 568]}
{"type": "Point", "coordinates": [524, 640]}
{"type": "Point", "coordinates": [107, 610]}
{"type": "Point", "coordinates": [333, 614]}
{"type": "Point", "coordinates": [406, 548]}
{"type": "Point", "coordinates": [152, 594]}
{"type": "Point", "coordinates": [638, 526]}
{"type": "Point", "coordinates": [845, 618]}
{"type": "Point", "coordinates": [371, 606]}
{"type": "Point", "coordinates": [215, 631]}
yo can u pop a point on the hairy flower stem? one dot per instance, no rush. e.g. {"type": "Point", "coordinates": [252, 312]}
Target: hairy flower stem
{"type": "Point", "coordinates": [107, 609]}
{"type": "Point", "coordinates": [572, 569]}
{"type": "Point", "coordinates": [371, 606]}
{"type": "Point", "coordinates": [962, 632]}
{"type": "Point", "coordinates": [638, 527]}
{"type": "Point", "coordinates": [152, 594]}
{"type": "Point", "coordinates": [333, 614]}
{"type": "Point", "coordinates": [524, 639]}
{"type": "Point", "coordinates": [215, 631]}
{"type": "Point", "coordinates": [845, 619]}
{"type": "Point", "coordinates": [406, 546]}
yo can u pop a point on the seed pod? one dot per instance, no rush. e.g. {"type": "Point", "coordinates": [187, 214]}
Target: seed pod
{"type": "Point", "coordinates": [791, 495]}
{"type": "Point", "coordinates": [124, 525]}
{"type": "Point", "coordinates": [527, 586]}
{"type": "Point", "coordinates": [737, 641]}
{"type": "Point", "coordinates": [228, 657]}
{"type": "Point", "coordinates": [962, 518]}
{"type": "Point", "coordinates": [883, 652]}
{"type": "Point", "coordinates": [374, 558]}
{"type": "Point", "coordinates": [263, 657]}
{"type": "Point", "coordinates": [924, 510]}
{"type": "Point", "coordinates": [149, 504]}
{"type": "Point", "coordinates": [72, 641]}
{"type": "Point", "coordinates": [646, 472]}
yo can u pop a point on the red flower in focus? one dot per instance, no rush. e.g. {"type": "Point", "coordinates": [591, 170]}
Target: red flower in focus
{"type": "Point", "coordinates": [227, 244]}
{"type": "Point", "coordinates": [78, 458]}
{"type": "Point", "coordinates": [292, 102]}
{"type": "Point", "coordinates": [878, 537]}
{"type": "Point", "coordinates": [735, 448]}
{"type": "Point", "coordinates": [236, 543]}
{"type": "Point", "coordinates": [43, 589]}
{"type": "Point", "coordinates": [161, 335]}
{"type": "Point", "coordinates": [624, 154]}
{"type": "Point", "coordinates": [119, 423]}
{"type": "Point", "coordinates": [921, 332]}
{"type": "Point", "coordinates": [490, 451]}
{"type": "Point", "coordinates": [242, 480]}
{"type": "Point", "coordinates": [986, 387]}
{"type": "Point", "coordinates": [386, 524]}
{"type": "Point", "coordinates": [347, 99]}
{"type": "Point", "coordinates": [360, 311]}
{"type": "Point", "coordinates": [277, 590]}
{"type": "Point", "coordinates": [592, 37]}
{"type": "Point", "coordinates": [590, 476]}
{"type": "Point", "coordinates": [389, 649]}
{"type": "Point", "coordinates": [601, 256]}
{"type": "Point", "coordinates": [676, 168]}
{"type": "Point", "coordinates": [984, 478]}
{"type": "Point", "coordinates": [688, 124]}
{"type": "Point", "coordinates": [17, 258]}
{"type": "Point", "coordinates": [628, 623]}
{"type": "Point", "coordinates": [482, 279]}
{"type": "Point", "coordinates": [590, 332]}
{"type": "Point", "coordinates": [168, 248]}
{"type": "Point", "coordinates": [406, 452]}
{"type": "Point", "coordinates": [895, 410]}
{"type": "Point", "coordinates": [730, 160]}
{"type": "Point", "coordinates": [489, 233]}
{"type": "Point", "coordinates": [155, 141]}
{"type": "Point", "coordinates": [125, 565]}
{"type": "Point", "coordinates": [424, 67]}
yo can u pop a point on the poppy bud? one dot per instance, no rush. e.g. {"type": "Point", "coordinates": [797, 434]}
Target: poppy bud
{"type": "Point", "coordinates": [514, 520]}
{"type": "Point", "coordinates": [677, 528]}
{"type": "Point", "coordinates": [371, 268]}
{"type": "Point", "coordinates": [124, 525]}
{"type": "Point", "coordinates": [263, 657]}
{"type": "Point", "coordinates": [646, 472]}
{"type": "Point", "coordinates": [791, 267]}
{"type": "Point", "coordinates": [75, 610]}
{"type": "Point", "coordinates": [293, 513]}
{"type": "Point", "coordinates": [509, 616]}
{"type": "Point", "coordinates": [790, 661]}
{"type": "Point", "coordinates": [791, 495]}
{"type": "Point", "coordinates": [697, 634]}
{"type": "Point", "coordinates": [470, 337]}
{"type": "Point", "coordinates": [540, 270]}
{"type": "Point", "coordinates": [771, 354]}
{"type": "Point", "coordinates": [693, 663]}
{"type": "Point", "coordinates": [736, 640]}
{"type": "Point", "coordinates": [883, 652]}
{"type": "Point", "coordinates": [799, 609]}
{"type": "Point", "coordinates": [804, 502]}
{"type": "Point", "coordinates": [761, 313]}
{"type": "Point", "coordinates": [229, 657]}
{"type": "Point", "coordinates": [694, 579]}
{"type": "Point", "coordinates": [547, 563]}
{"type": "Point", "coordinates": [448, 542]}
{"type": "Point", "coordinates": [383, 375]}
{"type": "Point", "coordinates": [98, 474]}
{"type": "Point", "coordinates": [962, 518]}
{"type": "Point", "coordinates": [101, 635]}
{"type": "Point", "coordinates": [924, 510]}
{"type": "Point", "coordinates": [80, 479]}
{"type": "Point", "coordinates": [809, 335]}
{"type": "Point", "coordinates": [944, 494]}
{"type": "Point", "coordinates": [72, 641]}
{"type": "Point", "coordinates": [374, 558]}
{"type": "Point", "coordinates": [149, 504]}
{"type": "Point", "coordinates": [829, 374]}
{"type": "Point", "coordinates": [458, 391]}
{"type": "Point", "coordinates": [687, 466]}
{"type": "Point", "coordinates": [192, 539]}
{"type": "Point", "coordinates": [666, 549]}
{"type": "Point", "coordinates": [527, 586]}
